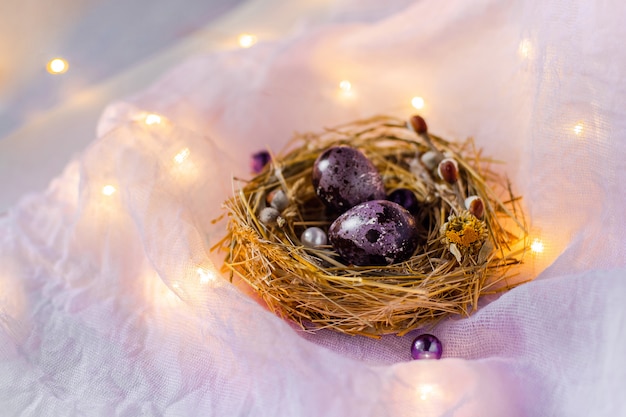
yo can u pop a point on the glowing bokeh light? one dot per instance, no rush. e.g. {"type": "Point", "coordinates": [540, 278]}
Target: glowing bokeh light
{"type": "Point", "coordinates": [153, 119]}
{"type": "Point", "coordinates": [537, 246]}
{"type": "Point", "coordinates": [181, 156]}
{"type": "Point", "coordinates": [57, 66]}
{"type": "Point", "coordinates": [206, 275]}
{"type": "Point", "coordinates": [578, 128]}
{"type": "Point", "coordinates": [246, 40]}
{"type": "Point", "coordinates": [425, 391]}
{"type": "Point", "coordinates": [525, 48]}
{"type": "Point", "coordinates": [345, 86]}
{"type": "Point", "coordinates": [108, 190]}
{"type": "Point", "coordinates": [417, 102]}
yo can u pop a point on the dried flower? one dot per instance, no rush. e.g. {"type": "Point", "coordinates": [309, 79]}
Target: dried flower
{"type": "Point", "coordinates": [463, 234]}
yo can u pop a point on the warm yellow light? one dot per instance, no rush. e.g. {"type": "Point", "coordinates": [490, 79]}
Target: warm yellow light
{"type": "Point", "coordinates": [57, 66]}
{"type": "Point", "coordinates": [153, 119]}
{"type": "Point", "coordinates": [578, 128]}
{"type": "Point", "coordinates": [417, 102]}
{"type": "Point", "coordinates": [181, 156]}
{"type": "Point", "coordinates": [425, 391]}
{"type": "Point", "coordinates": [345, 86]}
{"type": "Point", "coordinates": [246, 40]}
{"type": "Point", "coordinates": [525, 48]}
{"type": "Point", "coordinates": [206, 275]}
{"type": "Point", "coordinates": [108, 190]}
{"type": "Point", "coordinates": [537, 246]}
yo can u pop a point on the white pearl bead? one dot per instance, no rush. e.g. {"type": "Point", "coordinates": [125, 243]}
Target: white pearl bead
{"type": "Point", "coordinates": [313, 237]}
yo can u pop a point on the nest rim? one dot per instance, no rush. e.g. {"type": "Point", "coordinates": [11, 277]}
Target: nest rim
{"type": "Point", "coordinates": [313, 288]}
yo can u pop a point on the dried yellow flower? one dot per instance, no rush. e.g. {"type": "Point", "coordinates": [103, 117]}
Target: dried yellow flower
{"type": "Point", "coordinates": [463, 234]}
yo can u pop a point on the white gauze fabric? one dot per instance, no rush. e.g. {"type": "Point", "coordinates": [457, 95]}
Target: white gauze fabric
{"type": "Point", "coordinates": [109, 299]}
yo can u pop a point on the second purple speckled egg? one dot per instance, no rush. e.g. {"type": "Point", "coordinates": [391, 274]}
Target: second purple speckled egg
{"type": "Point", "coordinates": [343, 177]}
{"type": "Point", "coordinates": [376, 232]}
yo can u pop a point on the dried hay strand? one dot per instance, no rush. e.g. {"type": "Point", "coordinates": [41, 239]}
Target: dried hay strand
{"type": "Point", "coordinates": [312, 287]}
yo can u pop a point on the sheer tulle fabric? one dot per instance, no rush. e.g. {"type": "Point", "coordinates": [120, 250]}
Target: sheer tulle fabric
{"type": "Point", "coordinates": [110, 303]}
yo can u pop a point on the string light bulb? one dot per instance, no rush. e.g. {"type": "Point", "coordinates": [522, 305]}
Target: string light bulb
{"type": "Point", "coordinates": [108, 190]}
{"type": "Point", "coordinates": [206, 276]}
{"type": "Point", "coordinates": [246, 40]}
{"type": "Point", "coordinates": [345, 86]}
{"type": "Point", "coordinates": [417, 102]}
{"type": "Point", "coordinates": [578, 128]}
{"type": "Point", "coordinates": [537, 246]}
{"type": "Point", "coordinates": [425, 391]}
{"type": "Point", "coordinates": [182, 156]}
{"type": "Point", "coordinates": [57, 66]}
{"type": "Point", "coordinates": [152, 119]}
{"type": "Point", "coordinates": [345, 91]}
{"type": "Point", "coordinates": [525, 48]}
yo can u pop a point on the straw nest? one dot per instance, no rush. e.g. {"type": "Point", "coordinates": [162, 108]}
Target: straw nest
{"type": "Point", "coordinates": [460, 257]}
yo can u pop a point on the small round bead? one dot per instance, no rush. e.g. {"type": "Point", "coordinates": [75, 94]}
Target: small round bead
{"type": "Point", "coordinates": [426, 346]}
{"type": "Point", "coordinates": [448, 170]}
{"type": "Point", "coordinates": [417, 124]}
{"type": "Point", "coordinates": [314, 237]}
{"type": "Point", "coordinates": [406, 198]}
{"type": "Point", "coordinates": [259, 160]}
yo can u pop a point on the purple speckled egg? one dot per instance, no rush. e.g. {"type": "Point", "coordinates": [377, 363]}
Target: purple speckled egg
{"type": "Point", "coordinates": [343, 177]}
{"type": "Point", "coordinates": [377, 232]}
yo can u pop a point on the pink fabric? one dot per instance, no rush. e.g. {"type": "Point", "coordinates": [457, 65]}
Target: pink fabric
{"type": "Point", "coordinates": [108, 305]}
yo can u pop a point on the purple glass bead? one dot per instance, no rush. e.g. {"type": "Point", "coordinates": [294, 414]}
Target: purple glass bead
{"type": "Point", "coordinates": [259, 160]}
{"type": "Point", "coordinates": [426, 346]}
{"type": "Point", "coordinates": [406, 198]}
